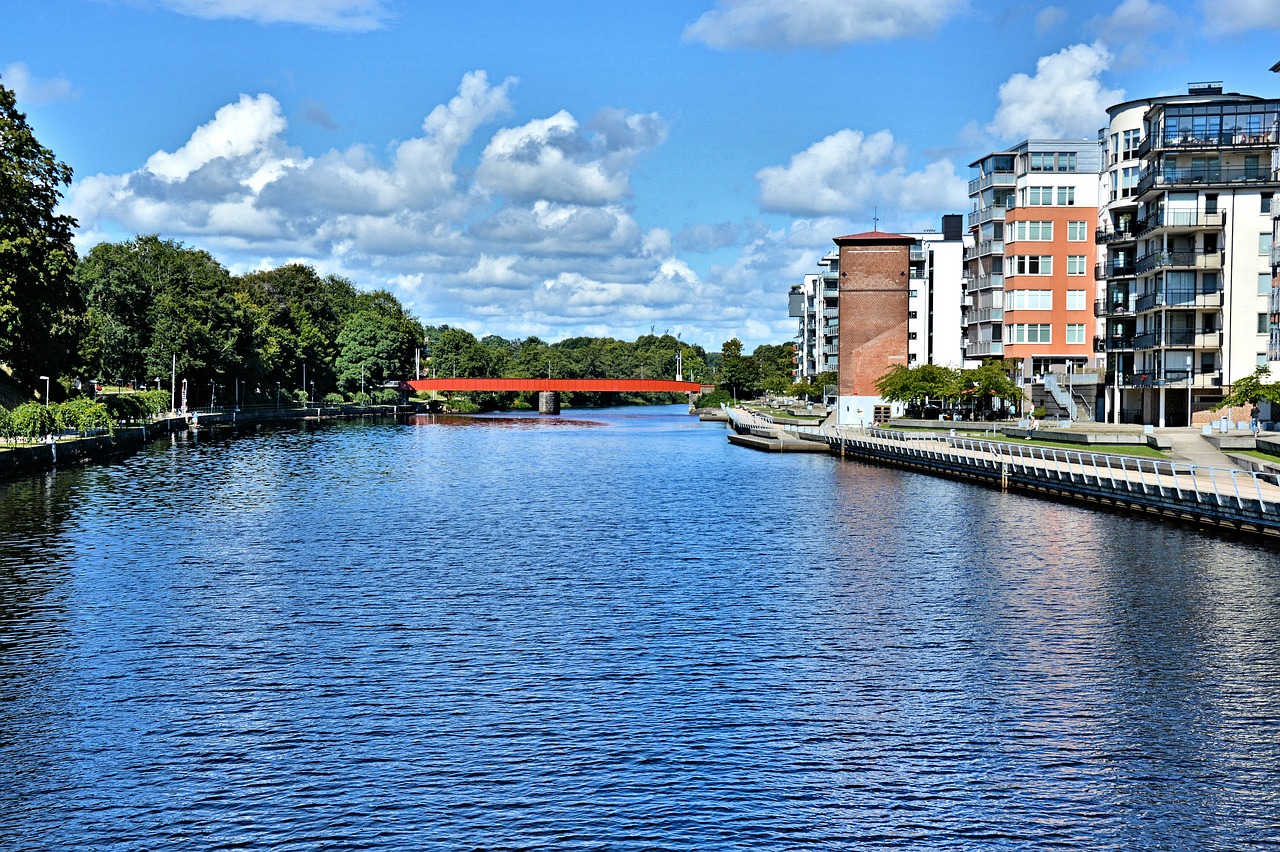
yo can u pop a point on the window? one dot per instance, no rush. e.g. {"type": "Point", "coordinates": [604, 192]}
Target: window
{"type": "Point", "coordinates": [1266, 202]}
{"type": "Point", "coordinates": [1066, 161]}
{"type": "Point", "coordinates": [1262, 323]}
{"type": "Point", "coordinates": [1077, 232]}
{"type": "Point", "coordinates": [1041, 162]}
{"type": "Point", "coordinates": [1038, 231]}
{"type": "Point", "coordinates": [1264, 283]}
{"type": "Point", "coordinates": [911, 314]}
{"type": "Point", "coordinates": [1264, 243]}
{"type": "Point", "coordinates": [1262, 360]}
{"type": "Point", "coordinates": [911, 335]}
{"type": "Point", "coordinates": [1039, 196]}
{"type": "Point", "coordinates": [1076, 264]}
{"type": "Point", "coordinates": [1075, 332]}
{"type": "Point", "coordinates": [1131, 140]}
{"type": "Point", "coordinates": [1028, 300]}
{"type": "Point", "coordinates": [1027, 333]}
{"type": "Point", "coordinates": [1075, 301]}
{"type": "Point", "coordinates": [1066, 195]}
{"type": "Point", "coordinates": [1032, 264]}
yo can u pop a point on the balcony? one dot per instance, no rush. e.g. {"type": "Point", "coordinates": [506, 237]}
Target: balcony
{"type": "Point", "coordinates": [1102, 237]}
{"type": "Point", "coordinates": [1158, 176]}
{"type": "Point", "coordinates": [1208, 340]}
{"type": "Point", "coordinates": [831, 312]}
{"type": "Point", "coordinates": [994, 179]}
{"type": "Point", "coordinates": [1170, 379]}
{"type": "Point", "coordinates": [1177, 297]}
{"type": "Point", "coordinates": [1182, 338]}
{"type": "Point", "coordinates": [984, 348]}
{"type": "Point", "coordinates": [1195, 259]}
{"type": "Point", "coordinates": [1113, 308]}
{"type": "Point", "coordinates": [1204, 139]}
{"type": "Point", "coordinates": [986, 315]}
{"type": "Point", "coordinates": [1113, 343]}
{"type": "Point", "coordinates": [986, 282]}
{"type": "Point", "coordinates": [1275, 255]}
{"type": "Point", "coordinates": [1179, 220]}
{"type": "Point", "coordinates": [984, 248]}
{"type": "Point", "coordinates": [1114, 269]}
{"type": "Point", "coordinates": [986, 214]}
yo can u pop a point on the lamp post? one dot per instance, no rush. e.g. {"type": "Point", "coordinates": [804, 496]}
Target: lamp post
{"type": "Point", "coordinates": [46, 391]}
{"type": "Point", "coordinates": [277, 396]}
{"type": "Point", "coordinates": [1189, 369]}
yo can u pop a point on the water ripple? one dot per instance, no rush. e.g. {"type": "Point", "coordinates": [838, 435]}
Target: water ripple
{"type": "Point", "coordinates": [614, 634]}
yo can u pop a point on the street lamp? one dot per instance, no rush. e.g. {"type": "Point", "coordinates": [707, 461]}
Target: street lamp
{"type": "Point", "coordinates": [46, 391]}
{"type": "Point", "coordinates": [1189, 368]}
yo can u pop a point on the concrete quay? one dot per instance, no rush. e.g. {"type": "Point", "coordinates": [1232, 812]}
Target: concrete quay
{"type": "Point", "coordinates": [1183, 489]}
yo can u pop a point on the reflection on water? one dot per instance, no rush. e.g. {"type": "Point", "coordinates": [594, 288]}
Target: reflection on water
{"type": "Point", "coordinates": [622, 634]}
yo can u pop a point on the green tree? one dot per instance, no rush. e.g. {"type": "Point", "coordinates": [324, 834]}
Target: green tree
{"type": "Point", "coordinates": [40, 309]}
{"type": "Point", "coordinates": [1253, 388]}
{"type": "Point", "coordinates": [738, 373]}
{"type": "Point", "coordinates": [372, 348]}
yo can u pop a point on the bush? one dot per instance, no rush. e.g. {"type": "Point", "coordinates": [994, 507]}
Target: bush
{"type": "Point", "coordinates": [360, 398]}
{"type": "Point", "coordinates": [6, 424]}
{"type": "Point", "coordinates": [127, 407]}
{"type": "Point", "coordinates": [333, 399]}
{"type": "Point", "coordinates": [386, 396]}
{"type": "Point", "coordinates": [714, 399]}
{"type": "Point", "coordinates": [300, 397]}
{"type": "Point", "coordinates": [32, 420]}
{"type": "Point", "coordinates": [461, 405]}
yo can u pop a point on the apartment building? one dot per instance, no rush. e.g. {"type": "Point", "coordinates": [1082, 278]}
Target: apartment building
{"type": "Point", "coordinates": [1030, 273]}
{"type": "Point", "coordinates": [1186, 232]}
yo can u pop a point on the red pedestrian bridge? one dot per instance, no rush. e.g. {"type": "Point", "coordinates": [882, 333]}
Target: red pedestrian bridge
{"type": "Point", "coordinates": [549, 389]}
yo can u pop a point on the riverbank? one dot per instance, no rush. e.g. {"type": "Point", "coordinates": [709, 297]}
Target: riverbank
{"type": "Point", "coordinates": [18, 460]}
{"type": "Point", "coordinates": [1224, 498]}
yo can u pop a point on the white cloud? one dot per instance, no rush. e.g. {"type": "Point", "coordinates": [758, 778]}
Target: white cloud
{"type": "Point", "coordinates": [1049, 19]}
{"type": "Point", "coordinates": [28, 88]}
{"type": "Point", "coordinates": [1232, 17]}
{"type": "Point", "coordinates": [849, 171]}
{"type": "Point", "coordinates": [535, 240]}
{"type": "Point", "coordinates": [1064, 99]}
{"type": "Point", "coordinates": [352, 15]}
{"type": "Point", "coordinates": [1138, 31]}
{"type": "Point", "coordinates": [798, 24]}
{"type": "Point", "coordinates": [554, 159]}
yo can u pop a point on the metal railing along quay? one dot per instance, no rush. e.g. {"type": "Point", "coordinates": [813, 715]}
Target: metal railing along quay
{"type": "Point", "coordinates": [1227, 500]}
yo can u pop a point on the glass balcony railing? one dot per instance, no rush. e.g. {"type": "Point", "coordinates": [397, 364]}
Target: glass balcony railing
{"type": "Point", "coordinates": [1162, 176]}
{"type": "Point", "coordinates": [1178, 219]}
{"type": "Point", "coordinates": [1179, 259]}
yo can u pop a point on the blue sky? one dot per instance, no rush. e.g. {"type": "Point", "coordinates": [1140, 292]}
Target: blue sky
{"type": "Point", "coordinates": [561, 167]}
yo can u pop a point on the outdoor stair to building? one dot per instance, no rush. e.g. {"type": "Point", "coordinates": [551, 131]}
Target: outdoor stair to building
{"type": "Point", "coordinates": [1053, 396]}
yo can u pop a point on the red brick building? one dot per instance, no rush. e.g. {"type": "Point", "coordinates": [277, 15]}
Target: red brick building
{"type": "Point", "coordinates": [874, 311]}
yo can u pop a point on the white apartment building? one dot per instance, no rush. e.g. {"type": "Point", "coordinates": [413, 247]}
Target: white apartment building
{"type": "Point", "coordinates": [1186, 232]}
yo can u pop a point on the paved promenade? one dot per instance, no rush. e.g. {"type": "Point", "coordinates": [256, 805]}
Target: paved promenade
{"type": "Point", "coordinates": [1198, 487]}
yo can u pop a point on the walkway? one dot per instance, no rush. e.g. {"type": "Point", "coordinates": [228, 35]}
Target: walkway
{"type": "Point", "coordinates": [1218, 497]}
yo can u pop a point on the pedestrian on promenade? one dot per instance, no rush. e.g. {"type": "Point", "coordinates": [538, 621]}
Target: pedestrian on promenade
{"type": "Point", "coordinates": [1253, 419]}
{"type": "Point", "coordinates": [1032, 426]}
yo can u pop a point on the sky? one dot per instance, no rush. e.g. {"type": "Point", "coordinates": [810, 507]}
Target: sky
{"type": "Point", "coordinates": [561, 167]}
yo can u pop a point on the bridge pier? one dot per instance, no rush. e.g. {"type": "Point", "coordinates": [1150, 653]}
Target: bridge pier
{"type": "Point", "coordinates": [548, 402]}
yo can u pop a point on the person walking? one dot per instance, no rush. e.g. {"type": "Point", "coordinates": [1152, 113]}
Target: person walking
{"type": "Point", "coordinates": [1253, 419]}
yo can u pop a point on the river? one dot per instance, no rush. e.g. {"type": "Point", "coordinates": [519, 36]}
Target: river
{"type": "Point", "coordinates": [613, 631]}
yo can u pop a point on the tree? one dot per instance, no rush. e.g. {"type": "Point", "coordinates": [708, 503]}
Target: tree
{"type": "Point", "coordinates": [1251, 389]}
{"type": "Point", "coordinates": [991, 381]}
{"type": "Point", "coordinates": [372, 348]}
{"type": "Point", "coordinates": [738, 374]}
{"type": "Point", "coordinates": [40, 309]}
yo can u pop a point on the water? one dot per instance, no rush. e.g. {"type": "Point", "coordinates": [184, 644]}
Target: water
{"type": "Point", "coordinates": [614, 632]}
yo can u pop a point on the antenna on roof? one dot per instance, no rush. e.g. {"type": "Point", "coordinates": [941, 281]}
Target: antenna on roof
{"type": "Point", "coordinates": [875, 218]}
